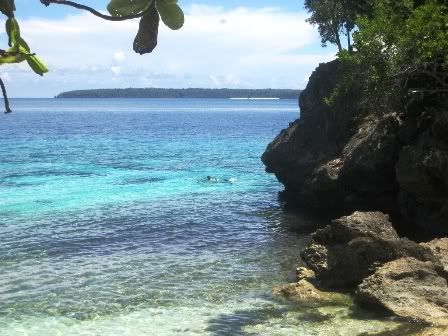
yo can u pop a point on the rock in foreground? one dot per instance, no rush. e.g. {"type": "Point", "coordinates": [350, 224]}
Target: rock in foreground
{"type": "Point", "coordinates": [349, 249]}
{"type": "Point", "coordinates": [364, 252]}
{"type": "Point", "coordinates": [408, 288]}
{"type": "Point", "coordinates": [439, 247]}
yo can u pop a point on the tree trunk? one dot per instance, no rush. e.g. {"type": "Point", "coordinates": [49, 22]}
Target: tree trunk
{"type": "Point", "coordinates": [349, 42]}
{"type": "Point", "coordinates": [338, 39]}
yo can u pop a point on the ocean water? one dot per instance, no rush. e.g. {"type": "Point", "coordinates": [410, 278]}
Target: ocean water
{"type": "Point", "coordinates": [108, 225]}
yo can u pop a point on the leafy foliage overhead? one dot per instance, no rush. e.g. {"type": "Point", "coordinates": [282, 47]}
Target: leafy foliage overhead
{"type": "Point", "coordinates": [395, 42]}
{"type": "Point", "coordinates": [146, 39]}
{"type": "Point", "coordinates": [18, 50]}
{"type": "Point", "coordinates": [171, 14]}
{"type": "Point", "coordinates": [149, 12]}
{"type": "Point", "coordinates": [334, 18]}
{"type": "Point", "coordinates": [126, 7]}
{"type": "Point", "coordinates": [401, 36]}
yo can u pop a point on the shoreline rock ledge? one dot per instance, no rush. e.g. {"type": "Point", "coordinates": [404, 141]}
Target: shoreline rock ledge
{"type": "Point", "coordinates": [362, 254]}
{"type": "Point", "coordinates": [409, 288]}
{"type": "Point", "coordinates": [350, 249]}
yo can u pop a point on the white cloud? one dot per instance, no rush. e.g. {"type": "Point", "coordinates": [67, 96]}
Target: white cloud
{"type": "Point", "coordinates": [215, 48]}
{"type": "Point", "coordinates": [116, 70]}
{"type": "Point", "coordinates": [119, 56]}
{"type": "Point", "coordinates": [5, 76]}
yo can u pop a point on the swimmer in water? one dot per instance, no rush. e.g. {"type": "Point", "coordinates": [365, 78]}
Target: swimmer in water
{"type": "Point", "coordinates": [212, 179]}
{"type": "Point", "coordinates": [230, 180]}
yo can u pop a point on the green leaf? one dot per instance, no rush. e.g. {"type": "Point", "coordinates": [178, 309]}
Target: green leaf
{"type": "Point", "coordinates": [171, 14]}
{"type": "Point", "coordinates": [13, 31]}
{"type": "Point", "coordinates": [127, 7]}
{"type": "Point", "coordinates": [23, 46]}
{"type": "Point", "coordinates": [12, 56]}
{"type": "Point", "coordinates": [36, 64]}
{"type": "Point", "coordinates": [20, 51]}
{"type": "Point", "coordinates": [146, 39]}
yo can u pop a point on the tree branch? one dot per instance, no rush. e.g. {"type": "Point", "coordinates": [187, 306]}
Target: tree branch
{"type": "Point", "coordinates": [95, 12]}
{"type": "Point", "coordinates": [5, 97]}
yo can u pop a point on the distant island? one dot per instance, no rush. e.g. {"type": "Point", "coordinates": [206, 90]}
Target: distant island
{"type": "Point", "coordinates": [183, 93]}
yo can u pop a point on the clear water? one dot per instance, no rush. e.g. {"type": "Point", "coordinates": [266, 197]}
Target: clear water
{"type": "Point", "coordinates": [108, 225]}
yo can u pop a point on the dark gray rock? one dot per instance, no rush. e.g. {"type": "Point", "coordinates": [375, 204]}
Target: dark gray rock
{"type": "Point", "coordinates": [349, 249]}
{"type": "Point", "coordinates": [357, 225]}
{"type": "Point", "coordinates": [346, 157]}
{"type": "Point", "coordinates": [422, 174]}
{"type": "Point", "coordinates": [304, 157]}
{"type": "Point", "coordinates": [408, 288]}
{"type": "Point", "coordinates": [337, 157]}
{"type": "Point", "coordinates": [370, 155]}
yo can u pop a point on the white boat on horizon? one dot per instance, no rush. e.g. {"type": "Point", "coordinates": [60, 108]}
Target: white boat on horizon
{"type": "Point", "coordinates": [256, 98]}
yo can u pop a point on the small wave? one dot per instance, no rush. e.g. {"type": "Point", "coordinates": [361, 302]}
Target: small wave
{"type": "Point", "coordinates": [141, 180]}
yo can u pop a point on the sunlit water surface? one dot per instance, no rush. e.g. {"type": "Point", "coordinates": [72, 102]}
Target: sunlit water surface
{"type": "Point", "coordinates": [108, 225]}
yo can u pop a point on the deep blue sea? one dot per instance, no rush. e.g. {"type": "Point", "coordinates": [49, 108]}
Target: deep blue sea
{"type": "Point", "coordinates": [109, 226]}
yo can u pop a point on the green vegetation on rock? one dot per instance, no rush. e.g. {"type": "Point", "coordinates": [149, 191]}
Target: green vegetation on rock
{"type": "Point", "coordinates": [336, 17]}
{"type": "Point", "coordinates": [396, 43]}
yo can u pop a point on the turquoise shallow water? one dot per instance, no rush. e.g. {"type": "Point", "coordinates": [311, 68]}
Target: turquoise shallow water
{"type": "Point", "coordinates": [108, 225]}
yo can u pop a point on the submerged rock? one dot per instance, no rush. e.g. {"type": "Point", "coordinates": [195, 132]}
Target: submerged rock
{"type": "Point", "coordinates": [349, 249]}
{"type": "Point", "coordinates": [408, 288]}
{"type": "Point", "coordinates": [305, 293]}
{"type": "Point", "coordinates": [304, 273]}
{"type": "Point", "coordinates": [436, 331]}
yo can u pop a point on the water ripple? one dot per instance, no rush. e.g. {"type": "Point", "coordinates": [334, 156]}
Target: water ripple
{"type": "Point", "coordinates": [109, 226]}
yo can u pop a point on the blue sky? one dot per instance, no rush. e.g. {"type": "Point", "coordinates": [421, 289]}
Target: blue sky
{"type": "Point", "coordinates": [236, 44]}
{"type": "Point", "coordinates": [30, 8]}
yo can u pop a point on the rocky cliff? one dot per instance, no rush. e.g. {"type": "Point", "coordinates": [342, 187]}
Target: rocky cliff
{"type": "Point", "coordinates": [346, 157]}
{"type": "Point", "coordinates": [380, 167]}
